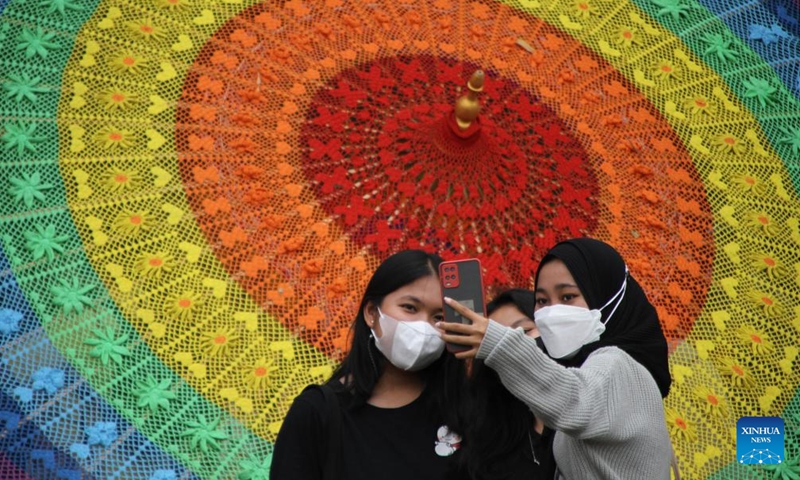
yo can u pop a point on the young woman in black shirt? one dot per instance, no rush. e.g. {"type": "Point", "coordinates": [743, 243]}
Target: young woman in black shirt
{"type": "Point", "coordinates": [506, 441]}
{"type": "Point", "coordinates": [391, 411]}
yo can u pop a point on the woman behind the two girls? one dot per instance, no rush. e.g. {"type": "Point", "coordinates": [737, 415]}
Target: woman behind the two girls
{"type": "Point", "coordinates": [505, 440]}
{"type": "Point", "coordinates": [594, 317]}
{"type": "Point", "coordinates": [392, 413]}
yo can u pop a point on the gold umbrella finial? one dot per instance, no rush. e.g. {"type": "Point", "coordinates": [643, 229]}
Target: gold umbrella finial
{"type": "Point", "coordinates": [468, 106]}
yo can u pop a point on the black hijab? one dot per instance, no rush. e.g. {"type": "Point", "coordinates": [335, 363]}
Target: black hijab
{"type": "Point", "coordinates": [599, 272]}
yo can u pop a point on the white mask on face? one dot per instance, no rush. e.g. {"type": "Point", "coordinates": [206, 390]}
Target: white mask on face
{"type": "Point", "coordinates": [565, 329]}
{"type": "Point", "coordinates": [411, 345]}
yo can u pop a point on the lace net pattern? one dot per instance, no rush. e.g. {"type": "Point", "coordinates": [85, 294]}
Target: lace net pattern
{"type": "Point", "coordinates": [194, 194]}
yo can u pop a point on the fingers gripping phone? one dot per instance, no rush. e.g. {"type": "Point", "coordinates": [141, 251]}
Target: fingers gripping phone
{"type": "Point", "coordinates": [462, 281]}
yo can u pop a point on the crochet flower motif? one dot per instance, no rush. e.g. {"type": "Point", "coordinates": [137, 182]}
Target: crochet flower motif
{"type": "Point", "coordinates": [761, 90]}
{"type": "Point", "coordinates": [153, 265]}
{"type": "Point", "coordinates": [254, 469]}
{"type": "Point", "coordinates": [102, 433]}
{"type": "Point", "coordinates": [112, 138]}
{"type": "Point", "coordinates": [116, 99]}
{"type": "Point", "coordinates": [128, 63]}
{"type": "Point", "coordinates": [48, 379]}
{"type": "Point", "coordinates": [9, 321]}
{"type": "Point", "coordinates": [219, 341]}
{"type": "Point", "coordinates": [627, 36]}
{"type": "Point", "coordinates": [768, 35]}
{"type": "Point", "coordinates": [727, 143]}
{"type": "Point", "coordinates": [204, 434]}
{"type": "Point", "coordinates": [583, 8]}
{"type": "Point", "coordinates": [674, 8]}
{"type": "Point", "coordinates": [22, 137]}
{"type": "Point", "coordinates": [763, 222]}
{"type": "Point", "coordinates": [713, 404]}
{"type": "Point", "coordinates": [758, 341]}
{"type": "Point", "coordinates": [791, 135]}
{"type": "Point", "coordinates": [44, 241]}
{"type": "Point", "coordinates": [774, 269]}
{"type": "Point", "coordinates": [154, 394]}
{"type": "Point", "coordinates": [788, 469]}
{"type": "Point", "coordinates": [36, 42]}
{"type": "Point", "coordinates": [258, 375]}
{"type": "Point", "coordinates": [700, 105]}
{"type": "Point", "coordinates": [666, 70]}
{"type": "Point", "coordinates": [145, 30]}
{"type": "Point", "coordinates": [71, 296]}
{"type": "Point", "coordinates": [61, 6]}
{"type": "Point", "coordinates": [107, 346]}
{"type": "Point", "coordinates": [679, 427]}
{"type": "Point", "coordinates": [767, 304]}
{"type": "Point", "coordinates": [738, 375]}
{"type": "Point", "coordinates": [719, 45]}
{"type": "Point", "coordinates": [28, 188]}
{"type": "Point", "coordinates": [133, 222]}
{"type": "Point", "coordinates": [749, 183]}
{"type": "Point", "coordinates": [173, 4]}
{"type": "Point", "coordinates": [23, 86]}
{"type": "Point", "coordinates": [183, 305]}
{"type": "Point", "coordinates": [118, 180]}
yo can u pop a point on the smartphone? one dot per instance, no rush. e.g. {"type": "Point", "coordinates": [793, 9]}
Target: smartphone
{"type": "Point", "coordinates": [462, 281]}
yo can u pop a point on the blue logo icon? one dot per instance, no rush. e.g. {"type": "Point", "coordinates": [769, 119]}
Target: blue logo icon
{"type": "Point", "coordinates": [759, 440]}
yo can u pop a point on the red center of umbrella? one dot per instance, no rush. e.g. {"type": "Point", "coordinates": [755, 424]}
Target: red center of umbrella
{"type": "Point", "coordinates": [383, 161]}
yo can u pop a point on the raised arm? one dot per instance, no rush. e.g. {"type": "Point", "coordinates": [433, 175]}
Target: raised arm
{"type": "Point", "coordinates": [572, 400]}
{"type": "Point", "coordinates": [596, 400]}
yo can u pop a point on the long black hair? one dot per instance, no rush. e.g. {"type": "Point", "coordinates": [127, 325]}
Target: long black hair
{"type": "Point", "coordinates": [364, 364]}
{"type": "Point", "coordinates": [497, 423]}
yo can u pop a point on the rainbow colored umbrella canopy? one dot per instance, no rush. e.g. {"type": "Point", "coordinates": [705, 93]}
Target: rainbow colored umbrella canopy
{"type": "Point", "coordinates": [194, 194]}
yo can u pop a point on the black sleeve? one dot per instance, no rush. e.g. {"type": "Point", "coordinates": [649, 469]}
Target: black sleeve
{"type": "Point", "coordinates": [299, 452]}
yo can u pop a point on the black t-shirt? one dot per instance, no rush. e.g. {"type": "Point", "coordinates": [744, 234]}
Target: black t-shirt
{"type": "Point", "coordinates": [385, 443]}
{"type": "Point", "coordinates": [533, 460]}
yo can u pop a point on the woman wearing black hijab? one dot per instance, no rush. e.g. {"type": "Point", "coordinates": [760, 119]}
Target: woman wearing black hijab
{"type": "Point", "coordinates": [602, 389]}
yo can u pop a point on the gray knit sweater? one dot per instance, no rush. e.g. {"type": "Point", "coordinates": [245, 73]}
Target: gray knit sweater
{"type": "Point", "coordinates": [608, 414]}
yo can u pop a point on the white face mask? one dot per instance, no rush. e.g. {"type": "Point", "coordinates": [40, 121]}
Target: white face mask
{"type": "Point", "coordinates": [411, 345]}
{"type": "Point", "coordinates": [565, 329]}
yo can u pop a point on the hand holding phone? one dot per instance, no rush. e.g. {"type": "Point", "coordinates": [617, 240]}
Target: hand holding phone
{"type": "Point", "coordinates": [462, 281]}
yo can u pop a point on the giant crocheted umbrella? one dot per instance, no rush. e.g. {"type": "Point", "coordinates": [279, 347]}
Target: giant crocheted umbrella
{"type": "Point", "coordinates": [193, 194]}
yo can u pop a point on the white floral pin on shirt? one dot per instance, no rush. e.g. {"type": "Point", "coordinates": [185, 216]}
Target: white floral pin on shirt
{"type": "Point", "coordinates": [448, 443]}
